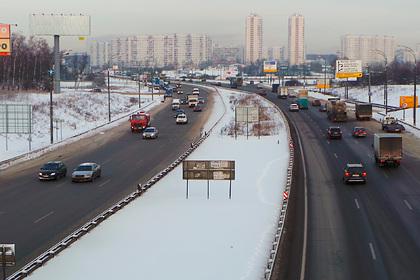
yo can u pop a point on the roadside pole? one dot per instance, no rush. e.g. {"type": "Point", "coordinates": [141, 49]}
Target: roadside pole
{"type": "Point", "coordinates": [139, 92]}
{"type": "Point", "coordinates": [109, 100]}
{"type": "Point", "coordinates": [369, 92]}
{"type": "Point", "coordinates": [51, 110]}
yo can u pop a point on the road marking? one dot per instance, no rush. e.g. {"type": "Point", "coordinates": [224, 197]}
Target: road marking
{"type": "Point", "coordinates": [43, 217]}
{"type": "Point", "coordinates": [356, 142]}
{"type": "Point", "coordinates": [328, 142]}
{"type": "Point", "coordinates": [335, 155]}
{"type": "Point", "coordinates": [107, 161]}
{"type": "Point", "coordinates": [406, 204]}
{"type": "Point", "coordinates": [357, 203]}
{"type": "Point", "coordinates": [386, 175]}
{"type": "Point", "coordinates": [370, 156]}
{"type": "Point", "coordinates": [104, 183]}
{"type": "Point", "coordinates": [372, 251]}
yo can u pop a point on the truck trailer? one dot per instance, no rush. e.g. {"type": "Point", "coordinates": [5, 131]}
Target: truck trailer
{"type": "Point", "coordinates": [388, 149]}
{"type": "Point", "coordinates": [336, 110]}
{"type": "Point", "coordinates": [363, 111]}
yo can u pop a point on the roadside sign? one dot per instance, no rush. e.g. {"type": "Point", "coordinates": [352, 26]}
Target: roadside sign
{"type": "Point", "coordinates": [208, 170]}
{"type": "Point", "coordinates": [7, 255]}
{"type": "Point", "coordinates": [348, 69]}
{"type": "Point", "coordinates": [270, 66]}
{"type": "Point", "coordinates": [4, 31]}
{"type": "Point", "coordinates": [247, 114]}
{"type": "Point", "coordinates": [408, 102]}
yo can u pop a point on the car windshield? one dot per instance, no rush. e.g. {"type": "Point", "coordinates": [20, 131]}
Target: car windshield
{"type": "Point", "coordinates": [355, 169]}
{"type": "Point", "coordinates": [138, 117]}
{"type": "Point", "coordinates": [84, 168]}
{"type": "Point", "coordinates": [50, 166]}
{"type": "Point", "coordinates": [335, 129]}
{"type": "Point", "coordinates": [150, 129]}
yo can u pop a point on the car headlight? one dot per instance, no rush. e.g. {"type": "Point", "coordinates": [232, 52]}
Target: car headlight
{"type": "Point", "coordinates": [53, 174]}
{"type": "Point", "coordinates": [87, 175]}
{"type": "Point", "coordinates": [40, 173]}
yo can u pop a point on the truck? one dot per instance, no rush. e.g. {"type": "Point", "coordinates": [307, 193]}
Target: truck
{"type": "Point", "coordinates": [302, 99]}
{"type": "Point", "coordinates": [176, 103]}
{"type": "Point", "coordinates": [363, 111]}
{"type": "Point", "coordinates": [336, 110]}
{"type": "Point", "coordinates": [139, 121]}
{"type": "Point", "coordinates": [192, 100]}
{"type": "Point", "coordinates": [236, 82]}
{"type": "Point", "coordinates": [390, 124]}
{"type": "Point", "coordinates": [282, 92]}
{"type": "Point", "coordinates": [388, 149]}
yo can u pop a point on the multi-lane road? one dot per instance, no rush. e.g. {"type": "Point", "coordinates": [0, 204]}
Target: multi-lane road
{"type": "Point", "coordinates": [367, 231]}
{"type": "Point", "coordinates": [35, 215]}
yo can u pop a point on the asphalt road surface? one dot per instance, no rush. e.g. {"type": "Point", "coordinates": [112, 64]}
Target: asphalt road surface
{"type": "Point", "coordinates": [35, 215]}
{"type": "Point", "coordinates": [367, 231]}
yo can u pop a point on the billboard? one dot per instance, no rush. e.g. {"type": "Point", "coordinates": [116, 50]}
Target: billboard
{"type": "Point", "coordinates": [208, 170]}
{"type": "Point", "coordinates": [322, 83]}
{"type": "Point", "coordinates": [408, 102]}
{"type": "Point", "coordinates": [270, 66]}
{"type": "Point", "coordinates": [15, 118]}
{"type": "Point", "coordinates": [247, 114]}
{"type": "Point", "coordinates": [7, 255]}
{"type": "Point", "coordinates": [5, 43]}
{"type": "Point", "coordinates": [59, 24]}
{"type": "Point", "coordinates": [348, 69]}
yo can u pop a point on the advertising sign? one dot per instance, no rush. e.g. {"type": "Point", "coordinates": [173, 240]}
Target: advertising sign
{"type": "Point", "coordinates": [247, 114]}
{"type": "Point", "coordinates": [59, 24]}
{"type": "Point", "coordinates": [270, 66]}
{"type": "Point", "coordinates": [208, 170]}
{"type": "Point", "coordinates": [4, 31]}
{"type": "Point", "coordinates": [7, 255]}
{"type": "Point", "coordinates": [15, 118]}
{"type": "Point", "coordinates": [348, 69]}
{"type": "Point", "coordinates": [5, 43]}
{"type": "Point", "coordinates": [322, 83]}
{"type": "Point", "coordinates": [408, 102]}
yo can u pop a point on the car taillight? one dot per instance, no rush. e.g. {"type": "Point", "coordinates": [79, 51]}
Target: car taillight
{"type": "Point", "coordinates": [347, 174]}
{"type": "Point", "coordinates": [364, 174]}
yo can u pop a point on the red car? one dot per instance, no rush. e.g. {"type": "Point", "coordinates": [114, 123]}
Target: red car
{"type": "Point", "coordinates": [197, 108]}
{"type": "Point", "coordinates": [359, 132]}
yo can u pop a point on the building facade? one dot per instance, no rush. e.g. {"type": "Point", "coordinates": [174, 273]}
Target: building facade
{"type": "Point", "coordinates": [275, 53]}
{"type": "Point", "coordinates": [227, 55]}
{"type": "Point", "coordinates": [177, 50]}
{"type": "Point", "coordinates": [100, 53]}
{"type": "Point", "coordinates": [253, 38]}
{"type": "Point", "coordinates": [362, 47]}
{"type": "Point", "coordinates": [296, 42]}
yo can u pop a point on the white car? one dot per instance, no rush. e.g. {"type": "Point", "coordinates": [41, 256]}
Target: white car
{"type": "Point", "coordinates": [294, 107]}
{"type": "Point", "coordinates": [181, 119]}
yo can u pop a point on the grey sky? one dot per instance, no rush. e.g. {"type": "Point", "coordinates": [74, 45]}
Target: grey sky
{"type": "Point", "coordinates": [326, 20]}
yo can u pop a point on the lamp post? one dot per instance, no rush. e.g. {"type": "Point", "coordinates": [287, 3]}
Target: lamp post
{"type": "Point", "coordinates": [381, 53]}
{"type": "Point", "coordinates": [109, 100]}
{"type": "Point", "coordinates": [413, 53]}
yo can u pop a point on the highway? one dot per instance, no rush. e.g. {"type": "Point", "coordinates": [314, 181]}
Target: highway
{"type": "Point", "coordinates": [35, 215]}
{"type": "Point", "coordinates": [367, 231]}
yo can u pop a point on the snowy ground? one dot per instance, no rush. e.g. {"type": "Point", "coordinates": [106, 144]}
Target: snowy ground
{"type": "Point", "coordinates": [75, 111]}
{"type": "Point", "coordinates": [163, 235]}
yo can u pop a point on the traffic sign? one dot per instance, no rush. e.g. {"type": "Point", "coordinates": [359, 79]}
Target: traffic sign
{"type": "Point", "coordinates": [285, 195]}
{"type": "Point", "coordinates": [5, 47]}
{"type": "Point", "coordinates": [4, 31]}
{"type": "Point", "coordinates": [348, 69]}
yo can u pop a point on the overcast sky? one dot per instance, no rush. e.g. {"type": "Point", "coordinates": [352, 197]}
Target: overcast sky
{"type": "Point", "coordinates": [224, 20]}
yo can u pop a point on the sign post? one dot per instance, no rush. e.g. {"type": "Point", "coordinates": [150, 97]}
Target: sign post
{"type": "Point", "coordinates": [7, 257]}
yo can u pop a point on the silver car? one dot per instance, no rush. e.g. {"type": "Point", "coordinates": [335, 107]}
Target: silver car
{"type": "Point", "coordinates": [150, 133]}
{"type": "Point", "coordinates": [86, 172]}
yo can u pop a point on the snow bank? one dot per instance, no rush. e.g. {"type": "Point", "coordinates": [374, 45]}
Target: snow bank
{"type": "Point", "coordinates": [163, 235]}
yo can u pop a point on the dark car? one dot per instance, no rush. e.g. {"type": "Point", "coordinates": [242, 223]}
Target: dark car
{"type": "Point", "coordinates": [394, 128]}
{"type": "Point", "coordinates": [359, 132]}
{"type": "Point", "coordinates": [183, 101]}
{"type": "Point", "coordinates": [52, 170]}
{"type": "Point", "coordinates": [201, 100]}
{"type": "Point", "coordinates": [354, 173]}
{"type": "Point", "coordinates": [262, 92]}
{"type": "Point", "coordinates": [334, 132]}
{"type": "Point", "coordinates": [323, 108]}
{"type": "Point", "coordinates": [316, 102]}
{"type": "Point", "coordinates": [219, 84]}
{"type": "Point", "coordinates": [251, 82]}
{"type": "Point", "coordinates": [179, 111]}
{"type": "Point", "coordinates": [197, 108]}
{"type": "Point", "coordinates": [86, 172]}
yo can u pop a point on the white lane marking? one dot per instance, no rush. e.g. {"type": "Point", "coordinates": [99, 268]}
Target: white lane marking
{"type": "Point", "coordinates": [370, 156]}
{"type": "Point", "coordinates": [43, 217]}
{"type": "Point", "coordinates": [105, 162]}
{"type": "Point", "coordinates": [386, 175]}
{"type": "Point", "coordinates": [357, 203]}
{"type": "Point", "coordinates": [357, 142]}
{"type": "Point", "coordinates": [408, 205]}
{"type": "Point", "coordinates": [328, 142]}
{"type": "Point", "coordinates": [335, 155]}
{"type": "Point", "coordinates": [372, 251]}
{"type": "Point", "coordinates": [104, 183]}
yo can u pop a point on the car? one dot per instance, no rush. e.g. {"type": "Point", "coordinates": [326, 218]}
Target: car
{"type": "Point", "coordinates": [354, 173]}
{"type": "Point", "coordinates": [334, 132]}
{"type": "Point", "coordinates": [96, 90]}
{"type": "Point", "coordinates": [179, 111]}
{"type": "Point", "coordinates": [201, 100]}
{"type": "Point", "coordinates": [219, 84]}
{"type": "Point", "coordinates": [181, 119]}
{"type": "Point", "coordinates": [359, 132]}
{"type": "Point", "coordinates": [260, 85]}
{"type": "Point", "coordinates": [180, 91]}
{"type": "Point", "coordinates": [183, 101]}
{"type": "Point", "coordinates": [150, 133]}
{"type": "Point", "coordinates": [197, 108]}
{"type": "Point", "coordinates": [86, 172]}
{"type": "Point", "coordinates": [316, 102]}
{"type": "Point", "coordinates": [261, 92]}
{"type": "Point", "coordinates": [323, 108]}
{"type": "Point", "coordinates": [294, 107]}
{"type": "Point", "coordinates": [251, 82]}
{"type": "Point", "coordinates": [52, 170]}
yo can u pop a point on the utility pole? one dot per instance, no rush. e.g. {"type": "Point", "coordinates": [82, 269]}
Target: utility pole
{"type": "Point", "coordinates": [369, 92]}
{"type": "Point", "coordinates": [139, 91]}
{"type": "Point", "coordinates": [325, 74]}
{"type": "Point", "coordinates": [413, 53]}
{"type": "Point", "coordinates": [51, 72]}
{"type": "Point", "coordinates": [381, 53]}
{"type": "Point", "coordinates": [109, 100]}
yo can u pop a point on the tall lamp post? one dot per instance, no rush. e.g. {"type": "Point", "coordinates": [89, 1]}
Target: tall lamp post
{"type": "Point", "coordinates": [413, 53]}
{"type": "Point", "coordinates": [381, 53]}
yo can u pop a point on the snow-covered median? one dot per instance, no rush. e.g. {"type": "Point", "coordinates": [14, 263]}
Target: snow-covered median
{"type": "Point", "coordinates": [163, 235]}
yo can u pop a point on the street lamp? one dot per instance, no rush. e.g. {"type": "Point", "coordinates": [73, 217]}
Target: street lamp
{"type": "Point", "coordinates": [381, 53]}
{"type": "Point", "coordinates": [413, 53]}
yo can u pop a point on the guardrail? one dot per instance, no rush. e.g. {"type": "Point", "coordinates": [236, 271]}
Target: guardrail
{"type": "Point", "coordinates": [6, 163]}
{"type": "Point", "coordinates": [77, 234]}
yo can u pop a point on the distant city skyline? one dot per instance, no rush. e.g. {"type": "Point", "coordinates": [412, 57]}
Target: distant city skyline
{"type": "Point", "coordinates": [324, 26]}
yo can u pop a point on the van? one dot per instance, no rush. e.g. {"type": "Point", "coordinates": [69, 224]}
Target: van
{"type": "Point", "coordinates": [176, 104]}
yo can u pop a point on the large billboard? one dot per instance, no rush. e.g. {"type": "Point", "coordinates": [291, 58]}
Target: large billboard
{"type": "Point", "coordinates": [59, 24]}
{"type": "Point", "coordinates": [208, 170]}
{"type": "Point", "coordinates": [270, 66]}
{"type": "Point", "coordinates": [247, 114]}
{"type": "Point", "coordinates": [348, 69]}
{"type": "Point", "coordinates": [5, 44]}
{"type": "Point", "coordinates": [408, 102]}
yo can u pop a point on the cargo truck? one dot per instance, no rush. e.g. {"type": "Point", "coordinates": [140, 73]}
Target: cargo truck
{"type": "Point", "coordinates": [388, 149]}
{"type": "Point", "coordinates": [139, 121]}
{"type": "Point", "coordinates": [192, 100]}
{"type": "Point", "coordinates": [302, 99]}
{"type": "Point", "coordinates": [363, 111]}
{"type": "Point", "coordinates": [336, 110]}
{"type": "Point", "coordinates": [282, 92]}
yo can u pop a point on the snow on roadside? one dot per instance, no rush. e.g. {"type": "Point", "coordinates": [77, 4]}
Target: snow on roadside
{"type": "Point", "coordinates": [75, 112]}
{"type": "Point", "coordinates": [163, 235]}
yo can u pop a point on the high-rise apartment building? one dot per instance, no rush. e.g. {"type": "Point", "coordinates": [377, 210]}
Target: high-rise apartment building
{"type": "Point", "coordinates": [176, 50]}
{"type": "Point", "coordinates": [275, 53]}
{"type": "Point", "coordinates": [296, 48]}
{"type": "Point", "coordinates": [100, 53]}
{"type": "Point", "coordinates": [362, 47]}
{"type": "Point", "coordinates": [253, 38]}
